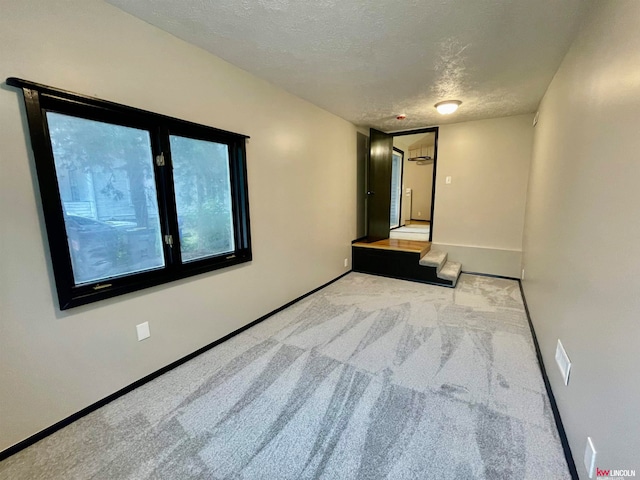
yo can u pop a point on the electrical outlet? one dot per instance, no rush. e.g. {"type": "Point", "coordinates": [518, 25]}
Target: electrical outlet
{"type": "Point", "coordinates": [143, 331]}
{"type": "Point", "coordinates": [564, 364]}
{"type": "Point", "coordinates": [590, 457]}
{"type": "Point", "coordinates": [346, 262]}
{"type": "Point", "coordinates": [522, 276]}
{"type": "Point", "coordinates": [447, 180]}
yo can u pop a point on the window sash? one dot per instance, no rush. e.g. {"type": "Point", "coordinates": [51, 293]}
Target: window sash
{"type": "Point", "coordinates": [89, 154]}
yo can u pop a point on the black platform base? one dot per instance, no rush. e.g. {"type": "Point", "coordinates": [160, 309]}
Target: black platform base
{"type": "Point", "coordinates": [395, 264]}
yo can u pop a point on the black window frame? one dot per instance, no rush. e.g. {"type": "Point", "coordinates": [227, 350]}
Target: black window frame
{"type": "Point", "coordinates": [40, 99]}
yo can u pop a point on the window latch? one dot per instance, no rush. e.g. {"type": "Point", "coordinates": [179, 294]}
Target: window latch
{"type": "Point", "coordinates": [160, 160]}
{"type": "Point", "coordinates": [168, 239]}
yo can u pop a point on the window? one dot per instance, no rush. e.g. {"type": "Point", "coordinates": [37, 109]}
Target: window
{"type": "Point", "coordinates": [131, 198]}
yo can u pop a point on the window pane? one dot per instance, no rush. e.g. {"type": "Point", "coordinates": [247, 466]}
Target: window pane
{"type": "Point", "coordinates": [203, 197]}
{"type": "Point", "coordinates": [106, 183]}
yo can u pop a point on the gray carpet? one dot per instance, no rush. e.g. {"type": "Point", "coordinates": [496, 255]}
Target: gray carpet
{"type": "Point", "coordinates": [369, 378]}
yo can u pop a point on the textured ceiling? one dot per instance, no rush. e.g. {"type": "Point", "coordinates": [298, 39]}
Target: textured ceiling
{"type": "Point", "coordinates": [369, 60]}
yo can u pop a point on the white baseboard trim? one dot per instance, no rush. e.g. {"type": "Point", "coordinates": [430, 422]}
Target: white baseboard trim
{"type": "Point", "coordinates": [492, 261]}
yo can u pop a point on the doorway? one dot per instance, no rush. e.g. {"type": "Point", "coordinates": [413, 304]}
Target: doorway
{"type": "Point", "coordinates": [397, 161]}
{"type": "Point", "coordinates": [401, 183]}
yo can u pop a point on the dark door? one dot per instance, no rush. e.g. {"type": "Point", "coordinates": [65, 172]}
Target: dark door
{"type": "Point", "coordinates": [379, 191]}
{"type": "Point", "coordinates": [362, 157]}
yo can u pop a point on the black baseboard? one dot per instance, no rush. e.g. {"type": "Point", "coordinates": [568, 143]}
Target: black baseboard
{"type": "Point", "coordinates": [101, 403]}
{"type": "Point", "coordinates": [552, 399]}
{"type": "Point", "coordinates": [491, 275]}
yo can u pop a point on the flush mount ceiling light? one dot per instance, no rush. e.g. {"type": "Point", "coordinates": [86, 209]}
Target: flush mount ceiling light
{"type": "Point", "coordinates": [447, 107]}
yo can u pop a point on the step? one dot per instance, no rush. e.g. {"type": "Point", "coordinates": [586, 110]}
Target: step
{"type": "Point", "coordinates": [435, 259]}
{"type": "Point", "coordinates": [409, 246]}
{"type": "Point", "coordinates": [450, 271]}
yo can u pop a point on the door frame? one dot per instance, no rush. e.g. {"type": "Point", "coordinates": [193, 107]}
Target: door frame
{"type": "Point", "coordinates": [397, 150]}
{"type": "Point", "coordinates": [435, 165]}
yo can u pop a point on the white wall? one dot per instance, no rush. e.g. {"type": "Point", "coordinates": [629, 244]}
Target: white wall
{"type": "Point", "coordinates": [582, 248]}
{"type": "Point", "coordinates": [419, 178]}
{"type": "Point", "coordinates": [479, 217]}
{"type": "Point", "coordinates": [302, 178]}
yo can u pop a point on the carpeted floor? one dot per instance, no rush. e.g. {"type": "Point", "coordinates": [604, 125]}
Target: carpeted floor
{"type": "Point", "coordinates": [369, 378]}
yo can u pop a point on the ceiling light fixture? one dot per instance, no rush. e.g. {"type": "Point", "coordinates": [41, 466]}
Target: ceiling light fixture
{"type": "Point", "coordinates": [447, 107]}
